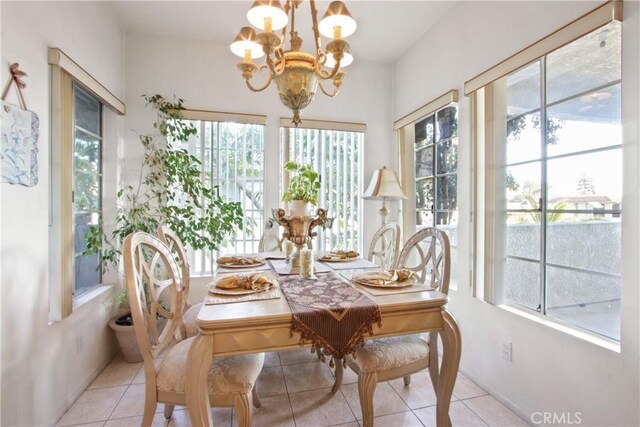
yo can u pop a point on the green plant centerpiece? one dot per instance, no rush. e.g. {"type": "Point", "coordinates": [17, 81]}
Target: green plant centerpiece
{"type": "Point", "coordinates": [169, 191]}
{"type": "Point", "coordinates": [304, 185]}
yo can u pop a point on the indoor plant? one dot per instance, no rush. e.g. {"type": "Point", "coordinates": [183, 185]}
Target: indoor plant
{"type": "Point", "coordinates": [169, 191]}
{"type": "Point", "coordinates": [304, 185]}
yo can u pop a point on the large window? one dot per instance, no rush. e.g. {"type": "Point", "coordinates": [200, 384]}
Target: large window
{"type": "Point", "coordinates": [87, 184]}
{"type": "Point", "coordinates": [436, 166]}
{"type": "Point", "coordinates": [337, 156]}
{"type": "Point", "coordinates": [232, 157]}
{"type": "Point", "coordinates": [563, 183]}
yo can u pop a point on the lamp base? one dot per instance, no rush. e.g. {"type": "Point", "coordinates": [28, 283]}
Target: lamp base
{"type": "Point", "coordinates": [384, 211]}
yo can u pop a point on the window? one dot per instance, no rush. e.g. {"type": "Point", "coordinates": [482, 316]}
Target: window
{"type": "Point", "coordinates": [337, 156]}
{"type": "Point", "coordinates": [547, 140]}
{"type": "Point", "coordinates": [563, 183]}
{"type": "Point", "coordinates": [232, 157]}
{"type": "Point", "coordinates": [436, 165]}
{"type": "Point", "coordinates": [87, 184]}
{"type": "Point", "coordinates": [428, 154]}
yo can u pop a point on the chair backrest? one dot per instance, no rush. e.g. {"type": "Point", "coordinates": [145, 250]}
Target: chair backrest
{"type": "Point", "coordinates": [173, 242]}
{"type": "Point", "coordinates": [270, 240]}
{"type": "Point", "coordinates": [149, 269]}
{"type": "Point", "coordinates": [385, 245]}
{"type": "Point", "coordinates": [428, 254]}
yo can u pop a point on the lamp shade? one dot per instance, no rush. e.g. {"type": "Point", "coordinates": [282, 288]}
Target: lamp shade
{"type": "Point", "coordinates": [262, 9]}
{"type": "Point", "coordinates": [346, 60]}
{"type": "Point", "coordinates": [337, 15]}
{"type": "Point", "coordinates": [246, 40]}
{"type": "Point", "coordinates": [384, 184]}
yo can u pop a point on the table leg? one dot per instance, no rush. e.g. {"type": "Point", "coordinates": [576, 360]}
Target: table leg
{"type": "Point", "coordinates": [339, 375]}
{"type": "Point", "coordinates": [198, 363]}
{"type": "Point", "coordinates": [451, 349]}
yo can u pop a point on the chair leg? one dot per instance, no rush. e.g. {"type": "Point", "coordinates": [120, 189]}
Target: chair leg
{"type": "Point", "coordinates": [150, 406]}
{"type": "Point", "coordinates": [168, 410]}
{"type": "Point", "coordinates": [434, 366]}
{"type": "Point", "coordinates": [255, 397]}
{"type": "Point", "coordinates": [339, 375]}
{"type": "Point", "coordinates": [243, 409]}
{"type": "Point", "coordinates": [407, 380]}
{"type": "Point", "coordinates": [367, 382]}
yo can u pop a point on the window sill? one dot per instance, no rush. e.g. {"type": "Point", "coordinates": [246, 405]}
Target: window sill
{"type": "Point", "coordinates": [581, 334]}
{"type": "Point", "coordinates": [91, 295]}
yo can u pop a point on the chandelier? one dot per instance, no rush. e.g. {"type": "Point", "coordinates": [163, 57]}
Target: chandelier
{"type": "Point", "coordinates": [297, 74]}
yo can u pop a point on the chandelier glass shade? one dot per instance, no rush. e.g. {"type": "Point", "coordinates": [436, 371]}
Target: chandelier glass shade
{"type": "Point", "coordinates": [297, 74]}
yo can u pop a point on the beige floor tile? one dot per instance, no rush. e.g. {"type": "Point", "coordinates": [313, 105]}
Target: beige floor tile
{"type": "Point", "coordinates": [320, 408]}
{"type": "Point", "coordinates": [271, 382]}
{"type": "Point", "coordinates": [419, 393]}
{"type": "Point", "coordinates": [118, 373]}
{"type": "Point", "coordinates": [402, 419]}
{"type": "Point", "coordinates": [221, 416]}
{"type": "Point", "coordinates": [301, 355]}
{"type": "Point", "coordinates": [461, 416]}
{"type": "Point", "coordinates": [385, 400]}
{"type": "Point", "coordinates": [493, 412]}
{"type": "Point", "coordinates": [139, 378]}
{"type": "Point", "coordinates": [465, 388]}
{"type": "Point", "coordinates": [271, 359]}
{"type": "Point", "coordinates": [132, 403]}
{"type": "Point", "coordinates": [275, 412]}
{"type": "Point", "coordinates": [96, 424]}
{"type": "Point", "coordinates": [307, 376]}
{"type": "Point", "coordinates": [93, 405]}
{"type": "Point", "coordinates": [352, 424]}
{"type": "Point", "coordinates": [178, 419]}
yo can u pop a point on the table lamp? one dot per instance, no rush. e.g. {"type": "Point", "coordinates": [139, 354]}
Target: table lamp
{"type": "Point", "coordinates": [384, 185]}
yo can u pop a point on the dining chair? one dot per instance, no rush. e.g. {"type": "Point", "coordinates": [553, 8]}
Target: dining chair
{"type": "Point", "coordinates": [385, 246]}
{"type": "Point", "coordinates": [173, 242]}
{"type": "Point", "coordinates": [270, 241]}
{"type": "Point", "coordinates": [427, 254]}
{"type": "Point", "coordinates": [149, 269]}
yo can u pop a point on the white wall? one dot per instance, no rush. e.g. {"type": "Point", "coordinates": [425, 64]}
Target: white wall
{"type": "Point", "coordinates": [204, 74]}
{"type": "Point", "coordinates": [43, 370]}
{"type": "Point", "coordinates": [551, 370]}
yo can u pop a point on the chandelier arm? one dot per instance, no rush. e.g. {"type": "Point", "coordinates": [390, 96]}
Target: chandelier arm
{"type": "Point", "coordinates": [326, 75]}
{"type": "Point", "coordinates": [266, 85]}
{"type": "Point", "coordinates": [274, 69]}
{"type": "Point", "coordinates": [316, 33]}
{"type": "Point", "coordinates": [336, 90]}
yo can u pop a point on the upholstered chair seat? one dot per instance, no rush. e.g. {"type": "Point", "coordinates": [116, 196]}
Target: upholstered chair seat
{"type": "Point", "coordinates": [386, 354]}
{"type": "Point", "coordinates": [236, 374]}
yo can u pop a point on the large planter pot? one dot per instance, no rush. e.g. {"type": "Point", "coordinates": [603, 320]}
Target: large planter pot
{"type": "Point", "coordinates": [300, 208]}
{"type": "Point", "coordinates": [126, 336]}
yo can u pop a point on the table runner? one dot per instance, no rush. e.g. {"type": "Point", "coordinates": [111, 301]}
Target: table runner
{"type": "Point", "coordinates": [330, 313]}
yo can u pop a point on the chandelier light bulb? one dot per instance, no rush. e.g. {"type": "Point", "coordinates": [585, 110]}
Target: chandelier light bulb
{"type": "Point", "coordinates": [344, 62]}
{"type": "Point", "coordinates": [245, 45]}
{"type": "Point", "coordinates": [337, 21]}
{"type": "Point", "coordinates": [267, 15]}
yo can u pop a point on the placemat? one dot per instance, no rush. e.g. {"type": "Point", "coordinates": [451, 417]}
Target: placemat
{"type": "Point", "coordinates": [263, 267]}
{"type": "Point", "coordinates": [212, 299]}
{"type": "Point", "coordinates": [350, 265]}
{"type": "Point", "coordinates": [418, 287]}
{"type": "Point", "coordinates": [330, 313]}
{"type": "Point", "coordinates": [282, 268]}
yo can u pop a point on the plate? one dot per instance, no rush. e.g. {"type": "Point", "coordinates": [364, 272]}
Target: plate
{"type": "Point", "coordinates": [402, 284]}
{"type": "Point", "coordinates": [237, 291]}
{"type": "Point", "coordinates": [323, 259]}
{"type": "Point", "coordinates": [257, 264]}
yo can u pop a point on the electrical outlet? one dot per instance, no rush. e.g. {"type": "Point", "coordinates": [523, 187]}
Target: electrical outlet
{"type": "Point", "coordinates": [79, 345]}
{"type": "Point", "coordinates": [506, 350]}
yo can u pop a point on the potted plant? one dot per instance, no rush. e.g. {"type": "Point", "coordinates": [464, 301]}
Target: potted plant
{"type": "Point", "coordinates": [169, 191]}
{"type": "Point", "coordinates": [302, 193]}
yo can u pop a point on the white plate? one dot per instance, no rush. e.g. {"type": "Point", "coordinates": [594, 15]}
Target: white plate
{"type": "Point", "coordinates": [402, 284]}
{"type": "Point", "coordinates": [236, 291]}
{"type": "Point", "coordinates": [257, 264]}
{"type": "Point", "coordinates": [323, 259]}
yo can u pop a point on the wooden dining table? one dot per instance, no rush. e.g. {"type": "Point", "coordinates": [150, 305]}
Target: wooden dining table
{"type": "Point", "coordinates": [265, 326]}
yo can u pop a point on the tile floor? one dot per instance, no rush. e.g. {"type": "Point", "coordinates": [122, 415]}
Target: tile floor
{"type": "Point", "coordinates": [294, 387]}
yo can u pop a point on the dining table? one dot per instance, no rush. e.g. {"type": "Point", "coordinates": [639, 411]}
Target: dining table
{"type": "Point", "coordinates": [258, 326]}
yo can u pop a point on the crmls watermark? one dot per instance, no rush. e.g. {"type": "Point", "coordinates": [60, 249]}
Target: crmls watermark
{"type": "Point", "coordinates": [556, 418]}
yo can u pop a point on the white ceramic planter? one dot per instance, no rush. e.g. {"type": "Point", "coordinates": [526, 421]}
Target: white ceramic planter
{"type": "Point", "coordinates": [126, 336]}
{"type": "Point", "coordinates": [300, 208]}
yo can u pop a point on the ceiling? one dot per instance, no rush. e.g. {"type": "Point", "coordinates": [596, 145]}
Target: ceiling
{"type": "Point", "coordinates": [376, 39]}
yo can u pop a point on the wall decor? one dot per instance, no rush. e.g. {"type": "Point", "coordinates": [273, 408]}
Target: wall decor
{"type": "Point", "coordinates": [18, 136]}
